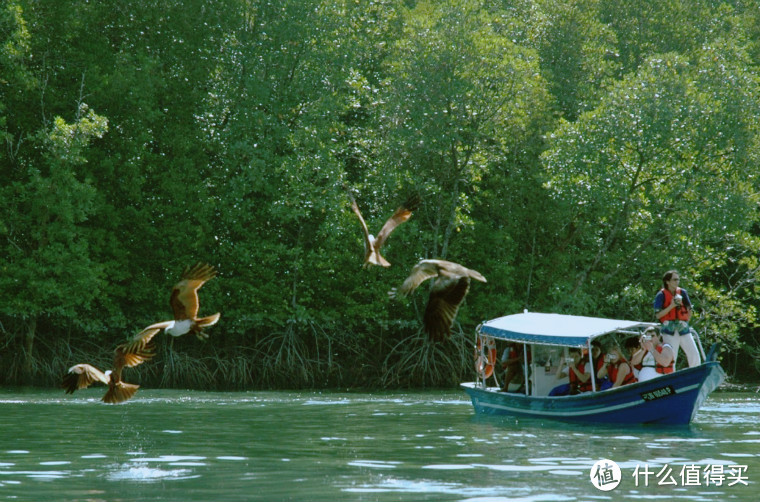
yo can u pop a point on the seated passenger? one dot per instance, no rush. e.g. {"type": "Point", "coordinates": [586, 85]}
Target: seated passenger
{"type": "Point", "coordinates": [631, 345]}
{"type": "Point", "coordinates": [617, 370]}
{"type": "Point", "coordinates": [597, 355]}
{"type": "Point", "coordinates": [512, 363]}
{"type": "Point", "coordinates": [579, 378]}
{"type": "Point", "coordinates": [654, 358]}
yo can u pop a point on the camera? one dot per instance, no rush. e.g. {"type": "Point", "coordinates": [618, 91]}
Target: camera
{"type": "Point", "coordinates": [678, 299]}
{"type": "Point", "coordinates": [646, 338]}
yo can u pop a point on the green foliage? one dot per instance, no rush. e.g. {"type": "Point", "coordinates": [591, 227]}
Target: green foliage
{"type": "Point", "coordinates": [578, 53]}
{"type": "Point", "coordinates": [571, 151]}
{"type": "Point", "coordinates": [49, 261]}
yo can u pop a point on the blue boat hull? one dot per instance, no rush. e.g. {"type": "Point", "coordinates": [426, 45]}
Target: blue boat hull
{"type": "Point", "coordinates": [669, 399]}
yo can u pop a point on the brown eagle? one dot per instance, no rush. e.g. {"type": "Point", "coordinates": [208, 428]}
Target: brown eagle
{"type": "Point", "coordinates": [452, 282]}
{"type": "Point", "coordinates": [373, 244]}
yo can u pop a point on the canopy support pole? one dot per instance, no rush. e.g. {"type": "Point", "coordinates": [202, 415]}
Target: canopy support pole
{"type": "Point", "coordinates": [525, 367]}
{"type": "Point", "coordinates": [591, 365]}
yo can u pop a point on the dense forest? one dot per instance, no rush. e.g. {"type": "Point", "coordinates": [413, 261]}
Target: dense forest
{"type": "Point", "coordinates": [571, 151]}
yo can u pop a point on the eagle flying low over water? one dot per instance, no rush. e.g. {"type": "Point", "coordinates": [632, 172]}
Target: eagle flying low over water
{"type": "Point", "coordinates": [134, 352]}
{"type": "Point", "coordinates": [452, 282]}
{"type": "Point", "coordinates": [185, 305]}
{"type": "Point", "coordinates": [373, 244]}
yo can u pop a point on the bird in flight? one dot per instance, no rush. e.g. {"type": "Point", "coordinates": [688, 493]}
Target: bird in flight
{"type": "Point", "coordinates": [373, 244]}
{"type": "Point", "coordinates": [451, 284]}
{"type": "Point", "coordinates": [134, 352]}
{"type": "Point", "coordinates": [185, 305]}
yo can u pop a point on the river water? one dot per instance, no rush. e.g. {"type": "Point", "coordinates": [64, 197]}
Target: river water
{"type": "Point", "coordinates": [324, 446]}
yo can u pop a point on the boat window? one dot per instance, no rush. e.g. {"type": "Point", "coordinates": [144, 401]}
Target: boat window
{"type": "Point", "coordinates": [546, 362]}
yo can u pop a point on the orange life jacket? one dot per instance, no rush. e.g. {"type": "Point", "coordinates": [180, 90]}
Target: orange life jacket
{"type": "Point", "coordinates": [599, 364]}
{"type": "Point", "coordinates": [576, 383]}
{"type": "Point", "coordinates": [657, 366]}
{"type": "Point", "coordinates": [682, 313]}
{"type": "Point", "coordinates": [664, 370]}
{"type": "Point", "coordinates": [485, 356]}
{"type": "Point", "coordinates": [612, 371]}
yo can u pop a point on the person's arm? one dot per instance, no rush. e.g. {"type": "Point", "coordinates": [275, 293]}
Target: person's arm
{"type": "Point", "coordinates": [686, 301]}
{"type": "Point", "coordinates": [582, 376]}
{"type": "Point", "coordinates": [623, 371]}
{"type": "Point", "coordinates": [637, 357]}
{"type": "Point", "coordinates": [505, 363]}
{"type": "Point", "coordinates": [665, 357]}
{"type": "Point", "coordinates": [602, 372]}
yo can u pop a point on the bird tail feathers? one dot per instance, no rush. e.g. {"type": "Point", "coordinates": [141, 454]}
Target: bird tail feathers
{"type": "Point", "coordinates": [208, 320]}
{"type": "Point", "coordinates": [202, 323]}
{"type": "Point", "coordinates": [120, 392]}
{"type": "Point", "coordinates": [375, 258]}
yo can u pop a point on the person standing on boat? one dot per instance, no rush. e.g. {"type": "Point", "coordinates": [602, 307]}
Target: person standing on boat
{"type": "Point", "coordinates": [654, 358]}
{"type": "Point", "coordinates": [672, 308]}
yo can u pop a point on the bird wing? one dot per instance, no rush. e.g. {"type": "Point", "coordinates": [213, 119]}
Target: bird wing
{"type": "Point", "coordinates": [81, 376]}
{"type": "Point", "coordinates": [355, 209]}
{"type": "Point", "coordinates": [402, 213]}
{"type": "Point", "coordinates": [139, 348]}
{"type": "Point", "coordinates": [452, 269]}
{"type": "Point", "coordinates": [184, 297]}
{"type": "Point", "coordinates": [474, 274]}
{"type": "Point", "coordinates": [443, 303]}
{"type": "Point", "coordinates": [421, 272]}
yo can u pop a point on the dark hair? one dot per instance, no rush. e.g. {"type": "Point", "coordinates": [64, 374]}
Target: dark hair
{"type": "Point", "coordinates": [632, 343]}
{"type": "Point", "coordinates": [666, 277]}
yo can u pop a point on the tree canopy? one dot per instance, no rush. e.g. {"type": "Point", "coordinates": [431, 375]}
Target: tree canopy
{"type": "Point", "coordinates": [570, 151]}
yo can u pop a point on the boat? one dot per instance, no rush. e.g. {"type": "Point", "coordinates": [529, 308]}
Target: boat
{"type": "Point", "coordinates": [670, 399]}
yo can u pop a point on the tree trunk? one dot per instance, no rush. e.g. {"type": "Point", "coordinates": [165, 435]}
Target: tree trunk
{"type": "Point", "coordinates": [28, 364]}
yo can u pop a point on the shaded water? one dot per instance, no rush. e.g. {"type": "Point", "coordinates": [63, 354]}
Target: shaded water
{"type": "Point", "coordinates": [198, 446]}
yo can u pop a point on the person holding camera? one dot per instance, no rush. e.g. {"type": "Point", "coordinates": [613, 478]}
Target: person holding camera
{"type": "Point", "coordinates": [654, 358]}
{"type": "Point", "coordinates": [579, 380]}
{"type": "Point", "coordinates": [673, 309]}
{"type": "Point", "coordinates": [631, 345]}
{"type": "Point", "coordinates": [617, 370]}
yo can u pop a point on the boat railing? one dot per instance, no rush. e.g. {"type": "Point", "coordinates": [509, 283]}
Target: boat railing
{"type": "Point", "coordinates": [695, 335]}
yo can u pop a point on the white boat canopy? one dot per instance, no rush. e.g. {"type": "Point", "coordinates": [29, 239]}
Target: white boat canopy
{"type": "Point", "coordinates": [557, 329]}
